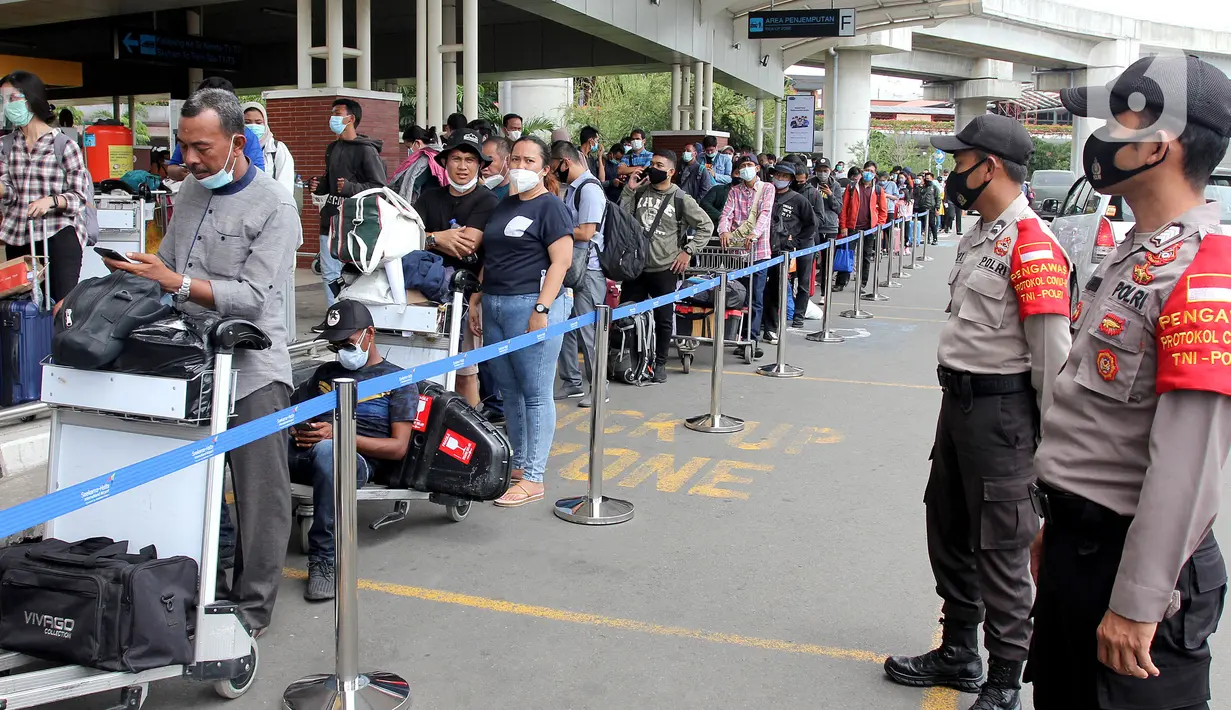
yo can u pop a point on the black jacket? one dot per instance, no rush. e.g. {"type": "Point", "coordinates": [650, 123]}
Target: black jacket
{"type": "Point", "coordinates": [358, 162]}
{"type": "Point", "coordinates": [927, 197]}
{"type": "Point", "coordinates": [794, 222]}
{"type": "Point", "coordinates": [827, 209]}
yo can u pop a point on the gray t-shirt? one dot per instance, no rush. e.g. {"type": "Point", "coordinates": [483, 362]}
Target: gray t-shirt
{"type": "Point", "coordinates": [590, 209]}
{"type": "Point", "coordinates": [242, 239]}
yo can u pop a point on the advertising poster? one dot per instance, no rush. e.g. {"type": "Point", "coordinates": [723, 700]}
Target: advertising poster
{"type": "Point", "coordinates": [800, 123]}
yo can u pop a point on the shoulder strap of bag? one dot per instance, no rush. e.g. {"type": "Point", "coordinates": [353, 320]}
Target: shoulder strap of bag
{"type": "Point", "coordinates": [658, 217]}
{"type": "Point", "coordinates": [577, 193]}
{"type": "Point", "coordinates": [681, 229]}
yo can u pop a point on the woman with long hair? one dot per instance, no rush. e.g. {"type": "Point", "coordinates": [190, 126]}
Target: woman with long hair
{"type": "Point", "coordinates": [528, 245]}
{"type": "Point", "coordinates": [44, 185]}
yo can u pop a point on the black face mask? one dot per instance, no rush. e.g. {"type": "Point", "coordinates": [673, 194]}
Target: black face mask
{"type": "Point", "coordinates": [957, 191]}
{"type": "Point", "coordinates": [1099, 160]}
{"type": "Point", "coordinates": [799, 185]}
{"type": "Point", "coordinates": [656, 176]}
{"type": "Point", "coordinates": [562, 173]}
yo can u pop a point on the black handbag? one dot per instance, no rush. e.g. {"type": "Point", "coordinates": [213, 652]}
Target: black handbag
{"type": "Point", "coordinates": [93, 604]}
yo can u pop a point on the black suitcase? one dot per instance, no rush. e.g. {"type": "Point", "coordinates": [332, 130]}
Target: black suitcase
{"type": "Point", "coordinates": [93, 604]}
{"type": "Point", "coordinates": [454, 450]}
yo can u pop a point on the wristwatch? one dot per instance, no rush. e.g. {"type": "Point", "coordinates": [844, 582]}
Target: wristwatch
{"type": "Point", "coordinates": [540, 308]}
{"type": "Point", "coordinates": [185, 288]}
{"type": "Point", "coordinates": [430, 241]}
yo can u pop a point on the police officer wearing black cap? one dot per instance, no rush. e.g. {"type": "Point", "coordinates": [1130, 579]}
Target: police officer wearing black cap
{"type": "Point", "coordinates": [1131, 582]}
{"type": "Point", "coordinates": [1006, 337]}
{"type": "Point", "coordinates": [455, 215]}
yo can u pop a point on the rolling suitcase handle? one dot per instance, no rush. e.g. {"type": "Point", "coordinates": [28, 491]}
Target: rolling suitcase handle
{"type": "Point", "coordinates": [42, 299]}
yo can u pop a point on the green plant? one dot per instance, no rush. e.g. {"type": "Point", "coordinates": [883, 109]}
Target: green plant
{"type": "Point", "coordinates": [1051, 156]}
{"type": "Point", "coordinates": [143, 131]}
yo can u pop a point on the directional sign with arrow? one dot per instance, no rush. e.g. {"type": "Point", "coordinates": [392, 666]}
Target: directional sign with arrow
{"type": "Point", "coordinates": [179, 50]}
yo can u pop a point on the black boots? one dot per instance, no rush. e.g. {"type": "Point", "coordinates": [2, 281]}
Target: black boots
{"type": "Point", "coordinates": [956, 664]}
{"type": "Point", "coordinates": [1003, 687]}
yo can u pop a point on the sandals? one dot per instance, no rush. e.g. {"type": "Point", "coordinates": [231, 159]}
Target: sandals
{"type": "Point", "coordinates": [519, 494]}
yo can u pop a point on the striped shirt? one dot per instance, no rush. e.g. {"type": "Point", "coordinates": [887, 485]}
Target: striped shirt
{"type": "Point", "coordinates": [29, 175]}
{"type": "Point", "coordinates": [638, 159]}
{"type": "Point", "coordinates": [739, 206]}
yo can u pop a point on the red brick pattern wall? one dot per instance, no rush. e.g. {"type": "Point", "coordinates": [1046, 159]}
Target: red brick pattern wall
{"type": "Point", "coordinates": [303, 125]}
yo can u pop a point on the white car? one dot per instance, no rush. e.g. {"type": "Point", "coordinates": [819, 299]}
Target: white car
{"type": "Point", "coordinates": [1090, 224]}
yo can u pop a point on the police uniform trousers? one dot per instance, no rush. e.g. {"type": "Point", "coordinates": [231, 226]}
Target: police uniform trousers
{"type": "Point", "coordinates": [980, 521]}
{"type": "Point", "coordinates": [1082, 544]}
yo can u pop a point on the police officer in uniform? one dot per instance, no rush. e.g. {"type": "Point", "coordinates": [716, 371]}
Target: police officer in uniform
{"type": "Point", "coordinates": [1130, 579]}
{"type": "Point", "coordinates": [1006, 338]}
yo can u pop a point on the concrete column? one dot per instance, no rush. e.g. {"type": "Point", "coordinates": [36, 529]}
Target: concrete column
{"type": "Point", "coordinates": [829, 101]}
{"type": "Point", "coordinates": [195, 75]}
{"type": "Point", "coordinates": [448, 36]}
{"type": "Point", "coordinates": [851, 113]}
{"type": "Point", "coordinates": [965, 111]}
{"type": "Point", "coordinates": [709, 96]}
{"type": "Point", "coordinates": [470, 58]}
{"type": "Point", "coordinates": [363, 43]}
{"type": "Point", "coordinates": [777, 127]}
{"type": "Point", "coordinates": [760, 126]}
{"type": "Point", "coordinates": [333, 44]}
{"type": "Point", "coordinates": [420, 62]}
{"type": "Point", "coordinates": [1106, 61]}
{"type": "Point", "coordinates": [674, 108]}
{"type": "Point", "coordinates": [435, 93]}
{"type": "Point", "coordinates": [303, 43]}
{"type": "Point", "coordinates": [698, 96]}
{"type": "Point", "coordinates": [685, 95]}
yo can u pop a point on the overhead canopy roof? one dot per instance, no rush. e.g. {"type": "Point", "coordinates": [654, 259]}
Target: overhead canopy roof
{"type": "Point", "coordinates": [25, 13]}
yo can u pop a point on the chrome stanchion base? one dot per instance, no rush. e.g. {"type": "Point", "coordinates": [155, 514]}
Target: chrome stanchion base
{"type": "Point", "coordinates": [928, 258]}
{"type": "Point", "coordinates": [856, 314]}
{"type": "Point", "coordinates": [891, 284]}
{"type": "Point", "coordinates": [825, 336]}
{"type": "Point", "coordinates": [377, 691]}
{"type": "Point", "coordinates": [785, 370]}
{"type": "Point", "coordinates": [585, 510]}
{"type": "Point", "coordinates": [710, 425]}
{"type": "Point", "coordinates": [875, 296]}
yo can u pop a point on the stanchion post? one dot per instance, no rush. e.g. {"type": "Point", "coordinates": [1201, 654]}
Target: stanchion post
{"type": "Point", "coordinates": [876, 268]}
{"type": "Point", "coordinates": [780, 368]}
{"type": "Point", "coordinates": [916, 256]}
{"type": "Point", "coordinates": [716, 422]}
{"type": "Point", "coordinates": [925, 241]}
{"type": "Point", "coordinates": [593, 508]}
{"type": "Point", "coordinates": [893, 246]}
{"type": "Point", "coordinates": [913, 238]}
{"type": "Point", "coordinates": [825, 335]}
{"type": "Point", "coordinates": [856, 313]}
{"type": "Point", "coordinates": [346, 688]}
{"type": "Point", "coordinates": [905, 227]}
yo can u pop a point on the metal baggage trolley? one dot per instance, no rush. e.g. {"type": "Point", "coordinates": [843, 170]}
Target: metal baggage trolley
{"type": "Point", "coordinates": [407, 336]}
{"type": "Point", "coordinates": [709, 261]}
{"type": "Point", "coordinates": [104, 421]}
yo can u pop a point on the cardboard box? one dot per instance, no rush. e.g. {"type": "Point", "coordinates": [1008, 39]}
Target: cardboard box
{"type": "Point", "coordinates": [16, 276]}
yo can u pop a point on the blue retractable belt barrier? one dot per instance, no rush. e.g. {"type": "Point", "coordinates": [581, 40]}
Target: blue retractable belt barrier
{"type": "Point", "coordinates": [66, 500]}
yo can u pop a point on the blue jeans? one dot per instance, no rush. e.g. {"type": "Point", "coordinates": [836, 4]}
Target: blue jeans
{"type": "Point", "coordinates": [315, 466]}
{"type": "Point", "coordinates": [526, 378]}
{"type": "Point", "coordinates": [757, 297]}
{"type": "Point", "coordinates": [331, 269]}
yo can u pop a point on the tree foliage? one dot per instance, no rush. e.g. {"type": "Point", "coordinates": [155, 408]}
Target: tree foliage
{"type": "Point", "coordinates": [489, 109]}
{"type": "Point", "coordinates": [1049, 155]}
{"type": "Point", "coordinates": [889, 149]}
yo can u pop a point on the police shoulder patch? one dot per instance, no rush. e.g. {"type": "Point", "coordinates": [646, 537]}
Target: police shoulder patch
{"type": "Point", "coordinates": [1039, 271]}
{"type": "Point", "coordinates": [1165, 237]}
{"type": "Point", "coordinates": [1194, 326]}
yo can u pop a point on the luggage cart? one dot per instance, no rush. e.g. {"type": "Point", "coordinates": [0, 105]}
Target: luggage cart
{"type": "Point", "coordinates": [121, 226]}
{"type": "Point", "coordinates": [709, 261]}
{"type": "Point", "coordinates": [103, 421]}
{"type": "Point", "coordinates": [407, 336]}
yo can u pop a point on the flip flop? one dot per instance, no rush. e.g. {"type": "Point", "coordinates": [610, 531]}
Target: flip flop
{"type": "Point", "coordinates": [517, 496]}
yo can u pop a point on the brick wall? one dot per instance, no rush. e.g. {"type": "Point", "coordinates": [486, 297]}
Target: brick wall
{"type": "Point", "coordinates": [301, 120]}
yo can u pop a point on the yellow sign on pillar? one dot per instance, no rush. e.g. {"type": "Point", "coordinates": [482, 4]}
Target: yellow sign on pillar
{"type": "Point", "coordinates": [120, 160]}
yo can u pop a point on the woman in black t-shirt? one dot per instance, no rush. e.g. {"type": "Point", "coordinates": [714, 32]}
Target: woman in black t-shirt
{"type": "Point", "coordinates": [528, 246]}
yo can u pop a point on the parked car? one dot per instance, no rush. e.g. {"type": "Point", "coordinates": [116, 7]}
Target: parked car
{"type": "Point", "coordinates": [1048, 185]}
{"type": "Point", "coordinates": [1090, 224]}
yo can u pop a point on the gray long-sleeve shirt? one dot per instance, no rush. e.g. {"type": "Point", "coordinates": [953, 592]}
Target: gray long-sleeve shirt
{"type": "Point", "coordinates": [245, 247]}
{"type": "Point", "coordinates": [1142, 417]}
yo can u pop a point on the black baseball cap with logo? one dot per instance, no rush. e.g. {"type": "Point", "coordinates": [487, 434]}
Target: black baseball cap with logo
{"type": "Point", "coordinates": [467, 140]}
{"type": "Point", "coordinates": [1150, 82]}
{"type": "Point", "coordinates": [343, 319]}
{"type": "Point", "coordinates": [993, 134]}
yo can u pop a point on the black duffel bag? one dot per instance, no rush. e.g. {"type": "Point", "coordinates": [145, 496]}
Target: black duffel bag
{"type": "Point", "coordinates": [93, 604]}
{"type": "Point", "coordinates": [98, 314]}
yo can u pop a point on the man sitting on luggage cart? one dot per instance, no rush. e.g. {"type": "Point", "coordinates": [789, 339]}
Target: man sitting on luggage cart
{"type": "Point", "coordinates": [383, 423]}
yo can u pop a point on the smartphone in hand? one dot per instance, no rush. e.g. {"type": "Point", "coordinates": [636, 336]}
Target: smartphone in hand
{"type": "Point", "coordinates": [111, 254]}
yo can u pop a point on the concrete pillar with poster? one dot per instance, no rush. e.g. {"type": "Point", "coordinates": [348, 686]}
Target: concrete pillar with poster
{"type": "Point", "coordinates": [801, 123]}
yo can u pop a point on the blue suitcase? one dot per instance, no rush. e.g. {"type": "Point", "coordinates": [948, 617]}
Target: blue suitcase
{"type": "Point", "coordinates": [26, 327]}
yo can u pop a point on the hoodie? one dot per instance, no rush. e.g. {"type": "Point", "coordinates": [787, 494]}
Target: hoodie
{"type": "Point", "coordinates": [357, 162]}
{"type": "Point", "coordinates": [278, 161]}
{"type": "Point", "coordinates": [671, 234]}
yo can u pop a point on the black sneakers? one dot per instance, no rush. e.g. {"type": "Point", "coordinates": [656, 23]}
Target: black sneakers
{"type": "Point", "coordinates": [322, 585]}
{"type": "Point", "coordinates": [660, 373]}
{"type": "Point", "coordinates": [1002, 691]}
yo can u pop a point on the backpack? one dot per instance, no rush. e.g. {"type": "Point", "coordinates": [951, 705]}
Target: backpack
{"type": "Point", "coordinates": [98, 315]}
{"type": "Point", "coordinates": [631, 356]}
{"type": "Point", "coordinates": [89, 213]}
{"type": "Point", "coordinates": [374, 226]}
{"type": "Point", "coordinates": [576, 274]}
{"type": "Point", "coordinates": [626, 242]}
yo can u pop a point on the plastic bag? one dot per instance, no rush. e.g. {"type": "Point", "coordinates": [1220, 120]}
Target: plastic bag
{"type": "Point", "coordinates": [178, 347]}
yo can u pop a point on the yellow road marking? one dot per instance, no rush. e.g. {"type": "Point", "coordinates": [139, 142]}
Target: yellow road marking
{"type": "Point", "coordinates": [939, 698]}
{"type": "Point", "coordinates": [611, 622]}
{"type": "Point", "coordinates": [843, 382]}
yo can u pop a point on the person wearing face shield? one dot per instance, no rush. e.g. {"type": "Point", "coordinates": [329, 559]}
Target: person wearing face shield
{"type": "Point", "coordinates": [383, 426]}
{"type": "Point", "coordinates": [1131, 582]}
{"type": "Point", "coordinates": [228, 248]}
{"type": "Point", "coordinates": [1000, 350]}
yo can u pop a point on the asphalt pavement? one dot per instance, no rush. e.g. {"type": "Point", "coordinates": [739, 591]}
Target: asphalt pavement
{"type": "Point", "coordinates": [774, 568]}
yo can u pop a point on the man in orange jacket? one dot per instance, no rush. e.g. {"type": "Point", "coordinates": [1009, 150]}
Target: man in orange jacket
{"type": "Point", "coordinates": [863, 208]}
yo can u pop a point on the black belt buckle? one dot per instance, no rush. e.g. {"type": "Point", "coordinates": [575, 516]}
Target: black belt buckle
{"type": "Point", "coordinates": [1038, 500]}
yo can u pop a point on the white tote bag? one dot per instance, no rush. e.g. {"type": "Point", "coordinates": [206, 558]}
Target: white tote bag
{"type": "Point", "coordinates": [374, 227]}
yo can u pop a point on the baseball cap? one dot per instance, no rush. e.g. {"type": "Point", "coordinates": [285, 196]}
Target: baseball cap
{"type": "Point", "coordinates": [1150, 81]}
{"type": "Point", "coordinates": [746, 158]}
{"type": "Point", "coordinates": [343, 319]}
{"type": "Point", "coordinates": [785, 167]}
{"type": "Point", "coordinates": [468, 140]}
{"type": "Point", "coordinates": [993, 134]}
{"type": "Point", "coordinates": [823, 163]}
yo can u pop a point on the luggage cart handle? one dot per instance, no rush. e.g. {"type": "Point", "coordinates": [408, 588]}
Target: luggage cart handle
{"type": "Point", "coordinates": [238, 334]}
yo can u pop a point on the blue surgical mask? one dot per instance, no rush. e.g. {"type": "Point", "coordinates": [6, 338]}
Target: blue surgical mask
{"type": "Point", "coordinates": [688, 156]}
{"type": "Point", "coordinates": [747, 174]}
{"type": "Point", "coordinates": [868, 176]}
{"type": "Point", "coordinates": [18, 112]}
{"type": "Point", "coordinates": [258, 129]}
{"type": "Point", "coordinates": [353, 357]}
{"type": "Point", "coordinates": [337, 124]}
{"type": "Point", "coordinates": [223, 177]}
{"type": "Point", "coordinates": [782, 184]}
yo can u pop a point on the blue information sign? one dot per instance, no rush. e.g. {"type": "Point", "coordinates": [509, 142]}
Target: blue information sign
{"type": "Point", "coordinates": [767, 24]}
{"type": "Point", "coordinates": [180, 50]}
